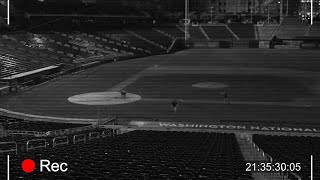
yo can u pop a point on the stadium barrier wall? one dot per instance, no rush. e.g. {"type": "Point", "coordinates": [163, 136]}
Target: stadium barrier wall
{"type": "Point", "coordinates": [264, 44]}
{"type": "Point", "coordinates": [299, 42]}
{"type": "Point", "coordinates": [70, 130]}
{"type": "Point", "coordinates": [227, 44]}
{"type": "Point", "coordinates": [30, 117]}
{"type": "Point", "coordinates": [4, 91]}
{"type": "Point", "coordinates": [33, 133]}
{"type": "Point", "coordinates": [310, 46]}
{"type": "Point", "coordinates": [177, 45]}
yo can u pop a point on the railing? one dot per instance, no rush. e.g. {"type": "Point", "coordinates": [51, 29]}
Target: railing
{"type": "Point", "coordinates": [94, 135]}
{"type": "Point", "coordinates": [81, 139]}
{"type": "Point", "coordinates": [107, 133]}
{"type": "Point", "coordinates": [135, 118]}
{"type": "Point", "coordinates": [172, 44]}
{"type": "Point", "coordinates": [9, 150]}
{"type": "Point", "coordinates": [284, 175]}
{"type": "Point", "coordinates": [54, 141]}
{"type": "Point", "coordinates": [155, 119]}
{"type": "Point", "coordinates": [113, 121]}
{"type": "Point", "coordinates": [36, 147]}
{"type": "Point", "coordinates": [70, 130]}
{"type": "Point", "coordinates": [3, 133]}
{"type": "Point", "coordinates": [34, 133]}
{"type": "Point", "coordinates": [295, 175]}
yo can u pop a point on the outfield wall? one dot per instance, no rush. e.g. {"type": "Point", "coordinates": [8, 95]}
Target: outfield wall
{"type": "Point", "coordinates": [263, 44]}
{"type": "Point", "coordinates": [227, 44]}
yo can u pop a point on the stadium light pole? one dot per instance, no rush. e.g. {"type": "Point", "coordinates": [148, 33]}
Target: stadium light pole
{"type": "Point", "coordinates": [281, 11]}
{"type": "Point", "coordinates": [8, 12]}
{"type": "Point", "coordinates": [312, 12]}
{"type": "Point", "coordinates": [287, 10]}
{"type": "Point", "coordinates": [211, 11]}
{"type": "Point", "coordinates": [186, 22]}
{"type": "Point", "coordinates": [236, 6]}
{"type": "Point", "coordinates": [268, 11]}
{"type": "Point", "coordinates": [251, 11]}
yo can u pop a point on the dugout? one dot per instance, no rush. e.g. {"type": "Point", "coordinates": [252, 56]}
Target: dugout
{"type": "Point", "coordinates": [30, 78]}
{"type": "Point", "coordinates": [309, 42]}
{"type": "Point", "coordinates": [305, 42]}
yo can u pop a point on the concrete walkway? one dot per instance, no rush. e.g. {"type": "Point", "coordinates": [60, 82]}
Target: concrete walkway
{"type": "Point", "coordinates": [250, 154]}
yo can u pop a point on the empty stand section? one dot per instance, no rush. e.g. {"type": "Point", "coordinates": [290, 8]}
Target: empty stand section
{"type": "Point", "coordinates": [218, 33]}
{"type": "Point", "coordinates": [146, 155]}
{"type": "Point", "coordinates": [153, 37]}
{"type": "Point", "coordinates": [315, 29]}
{"type": "Point", "coordinates": [28, 51]}
{"type": "Point", "coordinates": [290, 28]}
{"type": "Point", "coordinates": [243, 31]}
{"type": "Point", "coordinates": [196, 34]}
{"type": "Point", "coordinates": [292, 149]}
{"type": "Point", "coordinates": [172, 31]}
{"type": "Point", "coordinates": [9, 123]}
{"type": "Point", "coordinates": [134, 41]}
{"type": "Point", "coordinates": [18, 57]}
{"type": "Point", "coordinates": [267, 31]}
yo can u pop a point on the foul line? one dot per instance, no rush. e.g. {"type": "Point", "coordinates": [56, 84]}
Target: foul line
{"type": "Point", "coordinates": [311, 162]}
{"type": "Point", "coordinates": [8, 167]}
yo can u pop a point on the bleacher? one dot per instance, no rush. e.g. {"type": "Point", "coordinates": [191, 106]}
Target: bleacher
{"type": "Point", "coordinates": [28, 51]}
{"type": "Point", "coordinates": [9, 123]}
{"type": "Point", "coordinates": [290, 28]}
{"type": "Point", "coordinates": [13, 10]}
{"type": "Point", "coordinates": [71, 47]}
{"type": "Point", "coordinates": [243, 31]}
{"type": "Point", "coordinates": [18, 58]}
{"type": "Point", "coordinates": [21, 131]}
{"type": "Point", "coordinates": [173, 31]}
{"type": "Point", "coordinates": [267, 31]}
{"type": "Point", "coordinates": [292, 149]}
{"type": "Point", "coordinates": [112, 41]}
{"type": "Point", "coordinates": [159, 39]}
{"type": "Point", "coordinates": [218, 33]}
{"type": "Point", "coordinates": [196, 34]}
{"type": "Point", "coordinates": [144, 155]}
{"type": "Point", "coordinates": [122, 35]}
{"type": "Point", "coordinates": [315, 29]}
{"type": "Point", "coordinates": [76, 7]}
{"type": "Point", "coordinates": [95, 46]}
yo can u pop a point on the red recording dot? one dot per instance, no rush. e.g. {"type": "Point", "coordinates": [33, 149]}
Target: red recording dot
{"type": "Point", "coordinates": [28, 165]}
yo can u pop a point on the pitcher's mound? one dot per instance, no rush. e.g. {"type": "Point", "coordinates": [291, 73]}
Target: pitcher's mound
{"type": "Point", "coordinates": [210, 85]}
{"type": "Point", "coordinates": [103, 98]}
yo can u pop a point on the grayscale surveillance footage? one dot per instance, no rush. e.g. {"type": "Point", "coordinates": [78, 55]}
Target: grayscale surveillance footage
{"type": "Point", "coordinates": [159, 89]}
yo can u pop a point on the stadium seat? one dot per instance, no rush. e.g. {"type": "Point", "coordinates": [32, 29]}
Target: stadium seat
{"type": "Point", "coordinates": [267, 31]}
{"type": "Point", "coordinates": [243, 31]}
{"type": "Point", "coordinates": [315, 29]}
{"type": "Point", "coordinates": [151, 155]}
{"type": "Point", "coordinates": [218, 33]}
{"type": "Point", "coordinates": [291, 27]}
{"type": "Point", "coordinates": [291, 149]}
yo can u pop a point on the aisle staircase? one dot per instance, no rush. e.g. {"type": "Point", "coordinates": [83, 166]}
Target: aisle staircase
{"type": "Point", "coordinates": [232, 33]}
{"type": "Point", "coordinates": [204, 33]}
{"type": "Point", "coordinates": [251, 154]}
{"type": "Point", "coordinates": [145, 39]}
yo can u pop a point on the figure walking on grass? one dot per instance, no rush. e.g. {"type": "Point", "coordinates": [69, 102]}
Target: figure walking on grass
{"type": "Point", "coordinates": [123, 94]}
{"type": "Point", "coordinates": [174, 104]}
{"type": "Point", "coordinates": [225, 97]}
